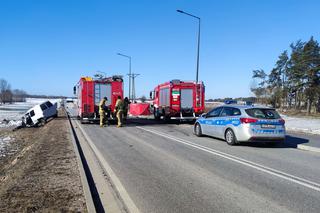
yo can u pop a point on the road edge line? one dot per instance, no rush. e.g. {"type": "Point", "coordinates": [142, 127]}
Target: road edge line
{"type": "Point", "coordinates": [128, 202]}
{"type": "Point", "coordinates": [234, 158]}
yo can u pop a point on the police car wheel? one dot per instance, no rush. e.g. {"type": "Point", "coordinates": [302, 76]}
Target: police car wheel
{"type": "Point", "coordinates": [197, 130]}
{"type": "Point", "coordinates": [230, 137]}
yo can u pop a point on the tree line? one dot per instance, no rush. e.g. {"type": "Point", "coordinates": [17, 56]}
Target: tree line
{"type": "Point", "coordinates": [7, 95]}
{"type": "Point", "coordinates": [294, 82]}
{"type": "Point", "coordinates": [239, 99]}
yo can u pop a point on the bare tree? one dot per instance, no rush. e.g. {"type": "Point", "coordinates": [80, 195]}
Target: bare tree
{"type": "Point", "coordinates": [19, 95]}
{"type": "Point", "coordinates": [5, 91]}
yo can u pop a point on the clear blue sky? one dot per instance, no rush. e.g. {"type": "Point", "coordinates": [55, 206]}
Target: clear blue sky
{"type": "Point", "coordinates": [46, 45]}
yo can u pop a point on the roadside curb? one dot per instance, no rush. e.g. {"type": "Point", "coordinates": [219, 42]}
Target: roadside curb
{"type": "Point", "coordinates": [85, 185]}
{"type": "Point", "coordinates": [308, 148]}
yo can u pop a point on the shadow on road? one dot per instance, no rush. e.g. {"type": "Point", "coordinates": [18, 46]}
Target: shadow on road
{"type": "Point", "coordinates": [293, 141]}
{"type": "Point", "coordinates": [290, 142]}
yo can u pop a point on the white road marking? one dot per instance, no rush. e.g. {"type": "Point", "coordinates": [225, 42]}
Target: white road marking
{"type": "Point", "coordinates": [300, 181]}
{"type": "Point", "coordinates": [114, 179]}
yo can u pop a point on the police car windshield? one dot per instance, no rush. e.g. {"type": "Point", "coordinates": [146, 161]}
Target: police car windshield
{"type": "Point", "coordinates": [263, 113]}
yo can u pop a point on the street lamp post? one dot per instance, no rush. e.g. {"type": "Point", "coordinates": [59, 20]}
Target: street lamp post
{"type": "Point", "coordinates": [134, 75]}
{"type": "Point", "coordinates": [129, 57]}
{"type": "Point", "coordinates": [198, 51]}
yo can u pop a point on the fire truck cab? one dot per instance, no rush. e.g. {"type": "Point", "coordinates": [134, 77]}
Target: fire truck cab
{"type": "Point", "coordinates": [90, 92]}
{"type": "Point", "coordinates": [178, 99]}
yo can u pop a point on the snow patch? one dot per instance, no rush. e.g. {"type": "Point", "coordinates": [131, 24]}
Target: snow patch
{"type": "Point", "coordinates": [11, 123]}
{"type": "Point", "coordinates": [4, 145]}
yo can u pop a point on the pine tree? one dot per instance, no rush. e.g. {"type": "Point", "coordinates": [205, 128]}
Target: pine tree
{"type": "Point", "coordinates": [294, 79]}
{"type": "Point", "coordinates": [295, 73]}
{"type": "Point", "coordinates": [276, 81]}
{"type": "Point", "coordinates": [261, 89]}
{"type": "Point", "coordinates": [311, 62]}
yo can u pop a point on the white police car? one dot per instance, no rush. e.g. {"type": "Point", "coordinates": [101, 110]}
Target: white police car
{"type": "Point", "coordinates": [236, 123]}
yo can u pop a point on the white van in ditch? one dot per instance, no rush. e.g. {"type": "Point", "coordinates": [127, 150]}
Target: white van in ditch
{"type": "Point", "coordinates": [39, 114]}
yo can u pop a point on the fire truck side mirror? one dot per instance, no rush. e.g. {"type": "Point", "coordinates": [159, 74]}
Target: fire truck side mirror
{"type": "Point", "coordinates": [74, 90]}
{"type": "Point", "coordinates": [151, 95]}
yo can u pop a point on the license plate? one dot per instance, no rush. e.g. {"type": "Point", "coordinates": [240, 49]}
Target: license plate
{"type": "Point", "coordinates": [268, 126]}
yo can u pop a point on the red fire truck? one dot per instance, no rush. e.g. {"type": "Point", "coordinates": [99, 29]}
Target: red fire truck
{"type": "Point", "coordinates": [178, 100]}
{"type": "Point", "coordinates": [90, 92]}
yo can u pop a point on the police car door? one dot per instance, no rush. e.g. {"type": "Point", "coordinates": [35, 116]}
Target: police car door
{"type": "Point", "coordinates": [229, 116]}
{"type": "Point", "coordinates": [210, 121]}
{"type": "Point", "coordinates": [224, 121]}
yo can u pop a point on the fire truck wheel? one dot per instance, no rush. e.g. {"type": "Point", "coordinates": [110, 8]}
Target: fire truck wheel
{"type": "Point", "coordinates": [197, 130]}
{"type": "Point", "coordinates": [157, 117]}
{"type": "Point", "coordinates": [156, 114]}
{"type": "Point", "coordinates": [166, 119]}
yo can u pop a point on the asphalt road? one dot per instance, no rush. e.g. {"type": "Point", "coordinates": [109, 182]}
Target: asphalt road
{"type": "Point", "coordinates": [165, 168]}
{"type": "Point", "coordinates": [312, 140]}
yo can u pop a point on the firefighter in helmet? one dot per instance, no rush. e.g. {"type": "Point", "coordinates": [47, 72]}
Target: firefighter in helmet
{"type": "Point", "coordinates": [125, 109]}
{"type": "Point", "coordinates": [119, 110]}
{"type": "Point", "coordinates": [102, 111]}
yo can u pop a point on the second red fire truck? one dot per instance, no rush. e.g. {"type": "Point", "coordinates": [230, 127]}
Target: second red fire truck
{"type": "Point", "coordinates": [178, 100]}
{"type": "Point", "coordinates": [90, 91]}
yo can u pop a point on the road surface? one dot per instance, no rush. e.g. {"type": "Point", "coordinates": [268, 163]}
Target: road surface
{"type": "Point", "coordinates": [165, 168]}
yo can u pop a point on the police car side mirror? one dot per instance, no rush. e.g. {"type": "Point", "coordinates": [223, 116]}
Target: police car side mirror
{"type": "Point", "coordinates": [204, 115]}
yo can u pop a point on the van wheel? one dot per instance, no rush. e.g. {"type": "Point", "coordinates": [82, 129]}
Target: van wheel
{"type": "Point", "coordinates": [230, 137]}
{"type": "Point", "coordinates": [197, 130]}
{"type": "Point", "coordinates": [42, 122]}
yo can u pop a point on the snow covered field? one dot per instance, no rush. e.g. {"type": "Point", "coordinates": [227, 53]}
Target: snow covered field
{"type": "Point", "coordinates": [306, 125]}
{"type": "Point", "coordinates": [10, 114]}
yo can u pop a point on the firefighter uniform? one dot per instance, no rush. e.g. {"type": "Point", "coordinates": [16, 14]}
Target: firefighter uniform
{"type": "Point", "coordinates": [125, 109]}
{"type": "Point", "coordinates": [102, 111]}
{"type": "Point", "coordinates": [119, 111]}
